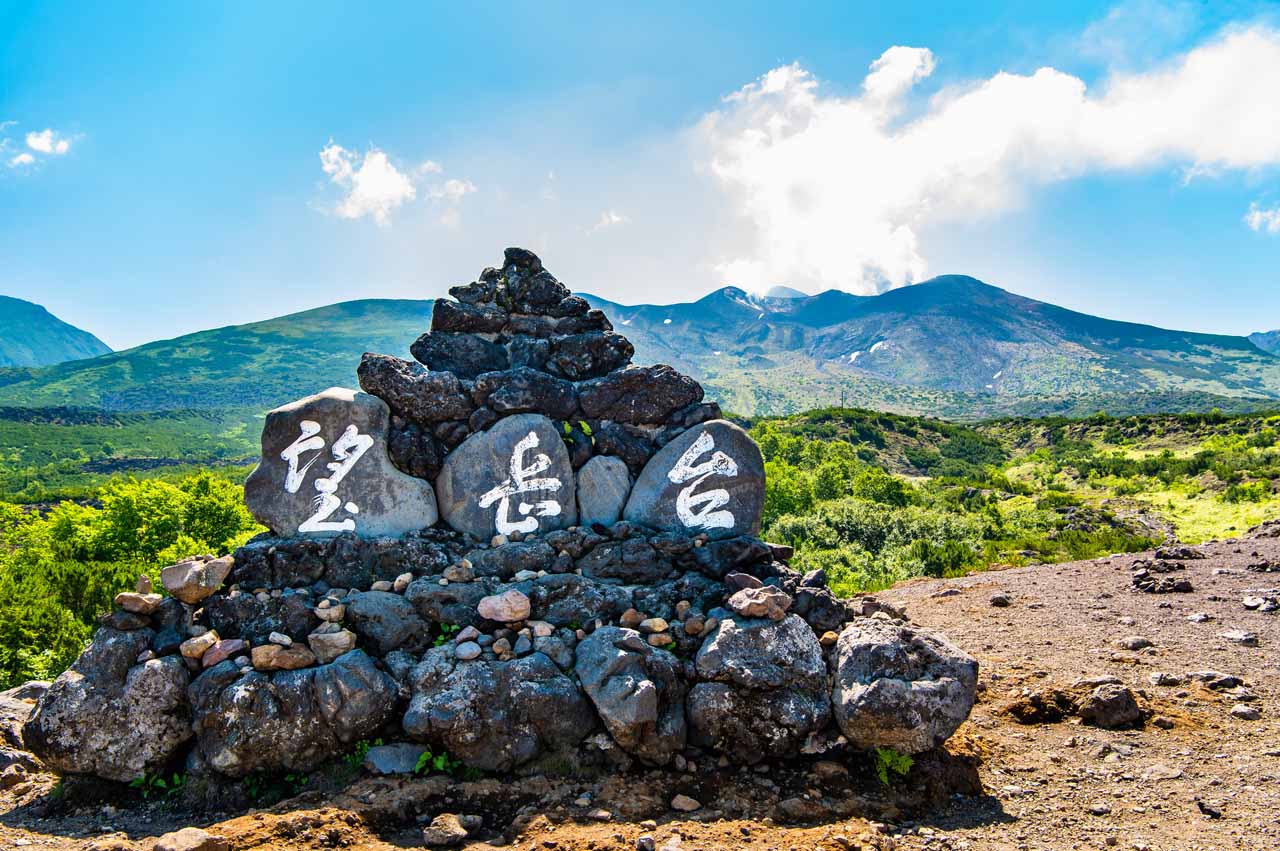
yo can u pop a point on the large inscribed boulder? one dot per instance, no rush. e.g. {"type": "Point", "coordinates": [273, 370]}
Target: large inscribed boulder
{"type": "Point", "coordinates": [325, 471]}
{"type": "Point", "coordinates": [709, 479]}
{"type": "Point", "coordinates": [515, 477]}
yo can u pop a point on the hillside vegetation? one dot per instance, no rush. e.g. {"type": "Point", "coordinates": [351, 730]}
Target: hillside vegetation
{"type": "Point", "coordinates": [869, 497]}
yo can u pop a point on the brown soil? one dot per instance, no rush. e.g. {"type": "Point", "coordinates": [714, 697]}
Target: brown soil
{"type": "Point", "coordinates": [1190, 777]}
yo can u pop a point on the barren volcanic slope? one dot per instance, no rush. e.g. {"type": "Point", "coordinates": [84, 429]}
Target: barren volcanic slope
{"type": "Point", "coordinates": [1191, 776]}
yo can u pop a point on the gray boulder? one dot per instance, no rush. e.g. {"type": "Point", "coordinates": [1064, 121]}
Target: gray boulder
{"type": "Point", "coordinates": [386, 622]}
{"type": "Point", "coordinates": [496, 715]}
{"type": "Point", "coordinates": [637, 690]}
{"type": "Point", "coordinates": [454, 603]}
{"type": "Point", "coordinates": [900, 686]}
{"type": "Point", "coordinates": [763, 688]}
{"type": "Point", "coordinates": [638, 395]}
{"type": "Point", "coordinates": [709, 479]}
{"type": "Point", "coordinates": [465, 355]}
{"type": "Point", "coordinates": [293, 720]}
{"type": "Point", "coordinates": [111, 718]}
{"type": "Point", "coordinates": [603, 486]}
{"type": "Point", "coordinates": [515, 477]}
{"type": "Point", "coordinates": [413, 391]}
{"type": "Point", "coordinates": [566, 598]}
{"type": "Point", "coordinates": [525, 390]}
{"type": "Point", "coordinates": [325, 470]}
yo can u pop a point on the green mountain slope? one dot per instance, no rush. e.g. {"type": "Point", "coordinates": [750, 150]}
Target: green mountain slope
{"type": "Point", "coordinates": [952, 347]}
{"type": "Point", "coordinates": [32, 336]}
{"type": "Point", "coordinates": [259, 365]}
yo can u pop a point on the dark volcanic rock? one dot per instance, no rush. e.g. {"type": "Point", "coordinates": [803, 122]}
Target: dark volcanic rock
{"type": "Point", "coordinates": [245, 616]}
{"type": "Point", "coordinates": [112, 718]}
{"type": "Point", "coordinates": [449, 315]}
{"type": "Point", "coordinates": [638, 394]}
{"type": "Point", "coordinates": [496, 715]}
{"type": "Point", "coordinates": [290, 719]}
{"type": "Point", "coordinates": [526, 390]}
{"type": "Point", "coordinates": [454, 603]}
{"type": "Point", "coordinates": [710, 479]}
{"type": "Point", "coordinates": [386, 621]}
{"type": "Point", "coordinates": [900, 686]}
{"type": "Point", "coordinates": [325, 470]}
{"type": "Point", "coordinates": [626, 443]}
{"type": "Point", "coordinates": [413, 391]}
{"type": "Point", "coordinates": [568, 599]}
{"type": "Point", "coordinates": [637, 690]}
{"type": "Point", "coordinates": [634, 560]}
{"type": "Point", "coordinates": [413, 449]}
{"type": "Point", "coordinates": [764, 688]}
{"type": "Point", "coordinates": [465, 355]}
{"type": "Point", "coordinates": [580, 356]}
{"type": "Point", "coordinates": [515, 477]}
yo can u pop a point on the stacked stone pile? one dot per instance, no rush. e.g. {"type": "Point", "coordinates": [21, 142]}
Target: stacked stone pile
{"type": "Point", "coordinates": [518, 549]}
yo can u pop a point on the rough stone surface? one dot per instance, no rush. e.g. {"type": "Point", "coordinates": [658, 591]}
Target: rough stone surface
{"type": "Point", "coordinates": [1111, 706]}
{"type": "Point", "coordinates": [514, 477]}
{"type": "Point", "coordinates": [496, 715]}
{"type": "Point", "coordinates": [526, 390]}
{"type": "Point", "coordinates": [767, 601]}
{"type": "Point", "coordinates": [386, 621]}
{"type": "Point", "coordinates": [191, 839]}
{"type": "Point", "coordinates": [638, 394]}
{"type": "Point", "coordinates": [603, 486]}
{"type": "Point", "coordinates": [337, 433]}
{"type": "Point", "coordinates": [708, 480]}
{"type": "Point", "coordinates": [193, 580]}
{"type": "Point", "coordinates": [465, 355]}
{"type": "Point", "coordinates": [109, 717]}
{"type": "Point", "coordinates": [292, 719]}
{"type": "Point", "coordinates": [637, 691]}
{"type": "Point", "coordinates": [900, 686]}
{"type": "Point", "coordinates": [509, 606]}
{"type": "Point", "coordinates": [763, 689]}
{"type": "Point", "coordinates": [413, 391]}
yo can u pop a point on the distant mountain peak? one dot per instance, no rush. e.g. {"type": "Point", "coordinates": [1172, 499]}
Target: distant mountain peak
{"type": "Point", "coordinates": [32, 336]}
{"type": "Point", "coordinates": [780, 291]}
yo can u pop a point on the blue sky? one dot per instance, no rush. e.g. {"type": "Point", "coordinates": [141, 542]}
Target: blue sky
{"type": "Point", "coordinates": [170, 167]}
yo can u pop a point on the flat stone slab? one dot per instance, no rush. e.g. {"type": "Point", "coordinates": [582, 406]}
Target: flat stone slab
{"type": "Point", "coordinates": [515, 477]}
{"type": "Point", "coordinates": [325, 471]}
{"type": "Point", "coordinates": [708, 480]}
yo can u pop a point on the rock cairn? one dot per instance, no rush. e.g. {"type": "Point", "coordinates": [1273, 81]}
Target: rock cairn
{"type": "Point", "coordinates": [518, 549]}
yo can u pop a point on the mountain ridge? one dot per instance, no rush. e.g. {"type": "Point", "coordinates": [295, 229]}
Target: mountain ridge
{"type": "Point", "coordinates": [31, 336]}
{"type": "Point", "coordinates": [951, 346]}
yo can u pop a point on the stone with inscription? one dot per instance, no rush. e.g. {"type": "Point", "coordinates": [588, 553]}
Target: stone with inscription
{"type": "Point", "coordinates": [513, 478]}
{"type": "Point", "coordinates": [708, 480]}
{"type": "Point", "coordinates": [325, 471]}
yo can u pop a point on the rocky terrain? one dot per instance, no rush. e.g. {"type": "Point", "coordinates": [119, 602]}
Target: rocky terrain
{"type": "Point", "coordinates": [1194, 770]}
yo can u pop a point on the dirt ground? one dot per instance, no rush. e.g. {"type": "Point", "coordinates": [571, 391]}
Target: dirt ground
{"type": "Point", "coordinates": [1191, 776]}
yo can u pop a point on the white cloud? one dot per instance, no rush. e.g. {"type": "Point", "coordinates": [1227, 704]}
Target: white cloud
{"type": "Point", "coordinates": [374, 188]}
{"type": "Point", "coordinates": [48, 142]}
{"type": "Point", "coordinates": [1260, 219]}
{"type": "Point", "coordinates": [608, 219]}
{"type": "Point", "coordinates": [451, 190]}
{"type": "Point", "coordinates": [835, 192]}
{"type": "Point", "coordinates": [21, 159]}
